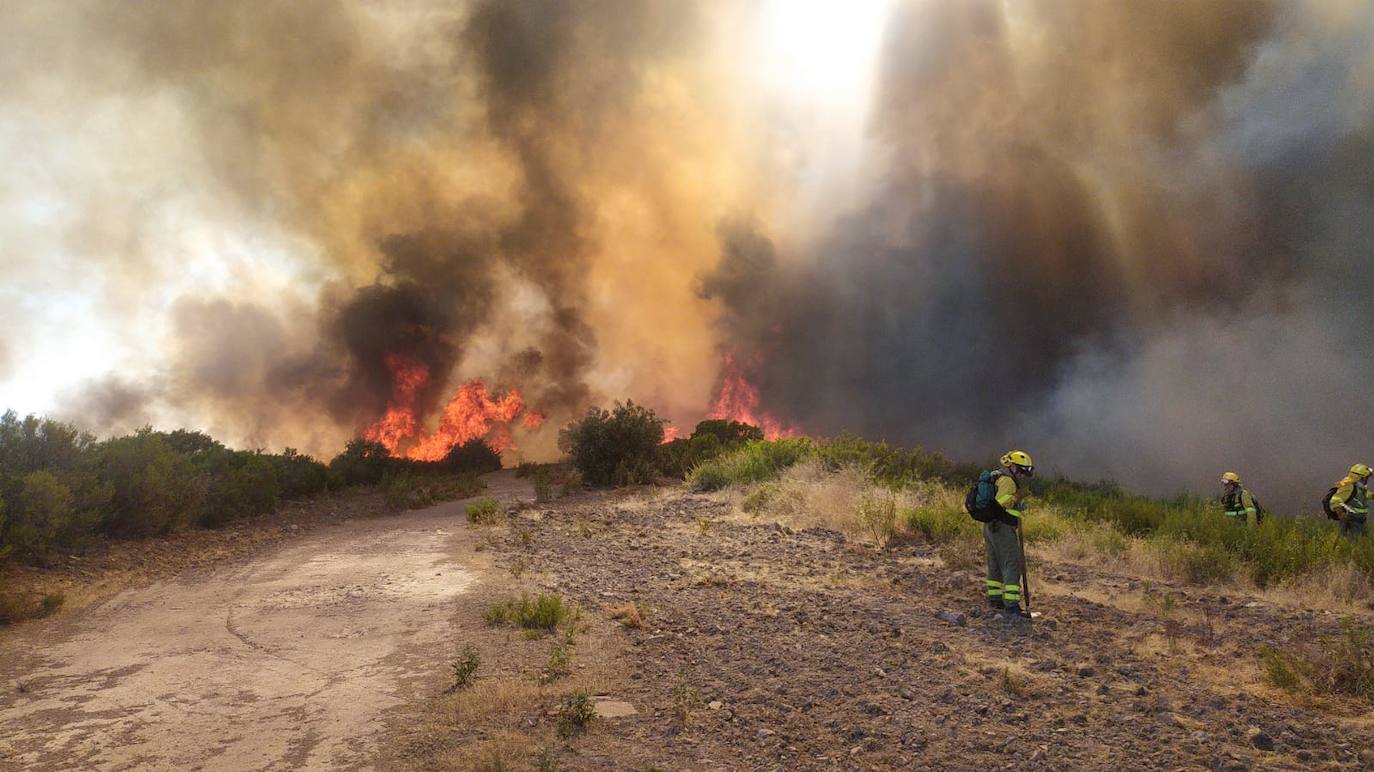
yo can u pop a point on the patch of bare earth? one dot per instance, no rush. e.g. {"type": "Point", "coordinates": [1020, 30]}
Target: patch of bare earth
{"type": "Point", "coordinates": [761, 647]}
{"type": "Point", "coordinates": [291, 656]}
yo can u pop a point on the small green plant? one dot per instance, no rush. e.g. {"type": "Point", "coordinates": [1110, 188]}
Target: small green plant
{"type": "Point", "coordinates": [464, 667]}
{"type": "Point", "coordinates": [575, 714]}
{"type": "Point", "coordinates": [484, 511]}
{"type": "Point", "coordinates": [1164, 604]}
{"type": "Point", "coordinates": [518, 567]}
{"type": "Point", "coordinates": [1280, 669]}
{"type": "Point", "coordinates": [526, 538]}
{"type": "Point", "coordinates": [704, 523]}
{"type": "Point", "coordinates": [560, 661]}
{"type": "Point", "coordinates": [52, 602]}
{"type": "Point", "coordinates": [540, 613]}
{"type": "Point", "coordinates": [499, 614]}
{"type": "Point", "coordinates": [685, 700]}
{"type": "Point", "coordinates": [547, 760]}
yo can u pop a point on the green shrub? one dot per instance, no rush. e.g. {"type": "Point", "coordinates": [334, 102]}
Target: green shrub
{"type": "Point", "coordinates": [299, 476]}
{"type": "Point", "coordinates": [156, 489]}
{"type": "Point", "coordinates": [464, 667]}
{"type": "Point", "coordinates": [238, 484]}
{"type": "Point", "coordinates": [542, 612]}
{"type": "Point", "coordinates": [362, 462]}
{"type": "Point", "coordinates": [559, 663]}
{"type": "Point", "coordinates": [472, 457]}
{"type": "Point", "coordinates": [727, 433]}
{"type": "Point", "coordinates": [710, 476]}
{"type": "Point", "coordinates": [41, 517]}
{"type": "Point", "coordinates": [576, 713]}
{"type": "Point", "coordinates": [1043, 525]}
{"type": "Point", "coordinates": [63, 505]}
{"type": "Point", "coordinates": [484, 511]}
{"type": "Point", "coordinates": [941, 525]}
{"type": "Point", "coordinates": [618, 446]}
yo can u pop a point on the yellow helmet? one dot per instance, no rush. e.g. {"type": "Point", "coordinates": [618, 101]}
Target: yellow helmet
{"type": "Point", "coordinates": [1019, 458]}
{"type": "Point", "coordinates": [1360, 470]}
{"type": "Point", "coordinates": [1231, 477]}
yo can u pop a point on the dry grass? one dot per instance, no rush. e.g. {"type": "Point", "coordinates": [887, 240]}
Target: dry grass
{"type": "Point", "coordinates": [848, 501]}
{"type": "Point", "coordinates": [502, 752]}
{"type": "Point", "coordinates": [628, 615]}
{"type": "Point", "coordinates": [1336, 588]}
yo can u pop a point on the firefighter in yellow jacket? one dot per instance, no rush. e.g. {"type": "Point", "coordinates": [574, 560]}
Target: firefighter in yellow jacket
{"type": "Point", "coordinates": [999, 534]}
{"type": "Point", "coordinates": [1350, 500]}
{"type": "Point", "coordinates": [1238, 503]}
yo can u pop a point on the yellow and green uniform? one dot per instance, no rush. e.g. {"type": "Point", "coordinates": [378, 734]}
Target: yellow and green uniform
{"type": "Point", "coordinates": [1351, 499]}
{"type": "Point", "coordinates": [1003, 550]}
{"type": "Point", "coordinates": [1240, 506]}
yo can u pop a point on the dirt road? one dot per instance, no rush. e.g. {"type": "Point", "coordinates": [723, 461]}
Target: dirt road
{"type": "Point", "coordinates": [288, 659]}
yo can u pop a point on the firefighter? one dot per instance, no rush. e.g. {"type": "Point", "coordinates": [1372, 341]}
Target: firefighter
{"type": "Point", "coordinates": [1000, 534]}
{"type": "Point", "coordinates": [1351, 501]}
{"type": "Point", "coordinates": [1238, 503]}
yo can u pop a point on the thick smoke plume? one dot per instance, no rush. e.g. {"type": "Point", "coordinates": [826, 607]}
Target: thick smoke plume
{"type": "Point", "coordinates": [1128, 237]}
{"type": "Point", "coordinates": [1122, 235]}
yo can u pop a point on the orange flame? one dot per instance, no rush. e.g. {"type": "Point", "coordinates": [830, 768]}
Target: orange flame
{"type": "Point", "coordinates": [472, 413]}
{"type": "Point", "coordinates": [670, 433]}
{"type": "Point", "coordinates": [738, 400]}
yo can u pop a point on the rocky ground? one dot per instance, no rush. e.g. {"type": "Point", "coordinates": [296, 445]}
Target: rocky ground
{"type": "Point", "coordinates": [764, 648]}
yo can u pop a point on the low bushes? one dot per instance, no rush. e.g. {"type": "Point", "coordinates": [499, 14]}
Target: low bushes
{"type": "Point", "coordinates": [415, 490]}
{"type": "Point", "coordinates": [61, 488]}
{"type": "Point", "coordinates": [542, 612]}
{"type": "Point", "coordinates": [756, 461]}
{"type": "Point", "coordinates": [709, 439]}
{"type": "Point", "coordinates": [892, 465]}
